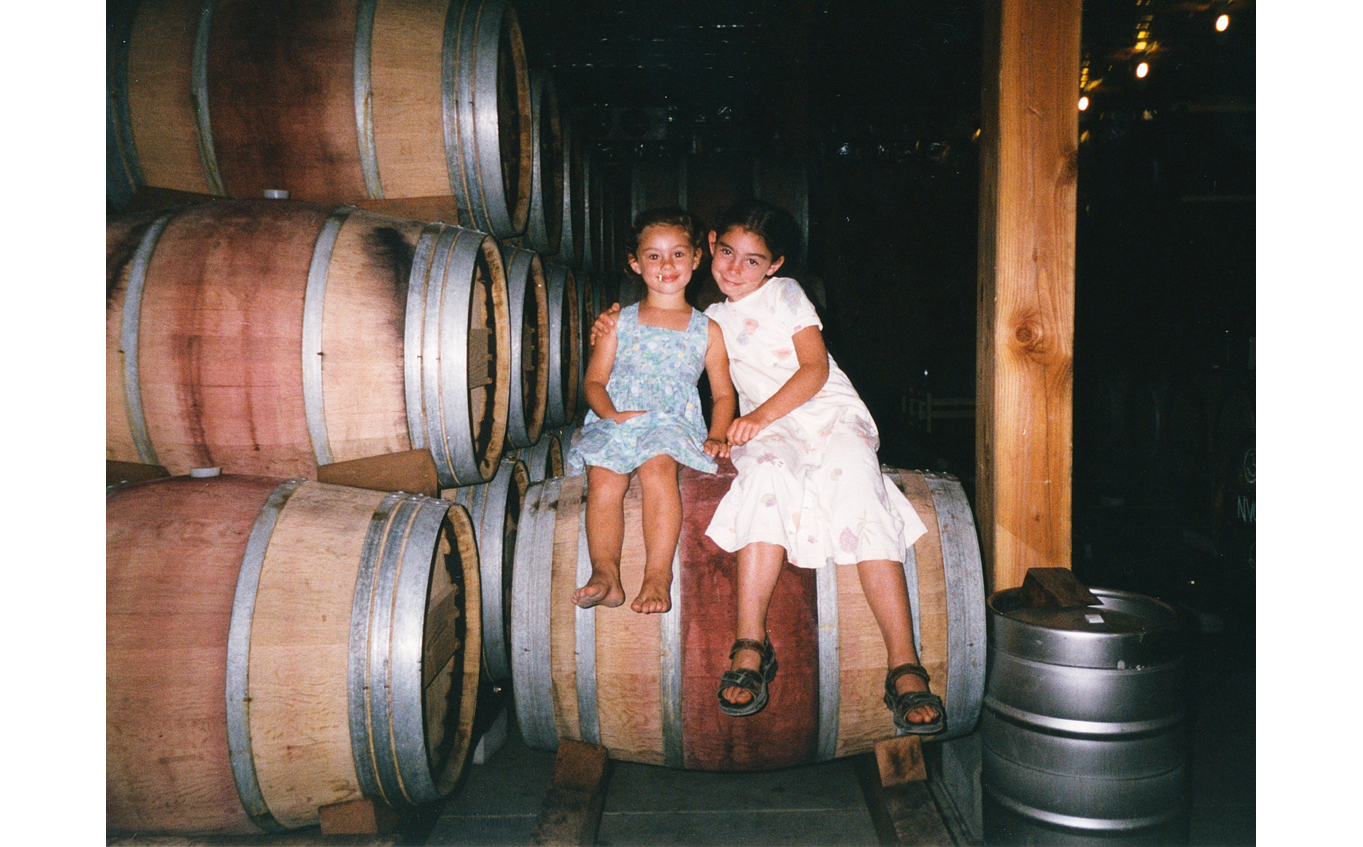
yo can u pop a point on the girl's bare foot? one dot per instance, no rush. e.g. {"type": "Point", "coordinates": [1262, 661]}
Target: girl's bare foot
{"type": "Point", "coordinates": [655, 597]}
{"type": "Point", "coordinates": [599, 591]}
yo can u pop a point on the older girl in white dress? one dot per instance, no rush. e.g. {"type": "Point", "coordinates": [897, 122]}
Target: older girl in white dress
{"type": "Point", "coordinates": [809, 486]}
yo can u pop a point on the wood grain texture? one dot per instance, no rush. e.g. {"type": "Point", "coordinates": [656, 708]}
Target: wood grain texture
{"type": "Point", "coordinates": [282, 98]}
{"type": "Point", "coordinates": [173, 550]}
{"type": "Point", "coordinates": [628, 657]}
{"type": "Point", "coordinates": [300, 649]}
{"type": "Point", "coordinates": [222, 315]}
{"type": "Point", "coordinates": [1024, 420]}
{"type": "Point", "coordinates": [160, 101]}
{"type": "Point", "coordinates": [363, 320]}
{"type": "Point", "coordinates": [405, 69]}
{"type": "Point", "coordinates": [222, 330]}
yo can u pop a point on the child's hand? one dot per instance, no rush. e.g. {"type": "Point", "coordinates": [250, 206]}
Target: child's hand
{"type": "Point", "coordinates": [621, 417]}
{"type": "Point", "coordinates": [605, 324]}
{"type": "Point", "coordinates": [745, 429]}
{"type": "Point", "coordinates": [716, 448]}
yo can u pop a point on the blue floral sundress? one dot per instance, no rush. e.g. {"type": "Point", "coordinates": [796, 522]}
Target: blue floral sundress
{"type": "Point", "coordinates": [655, 369]}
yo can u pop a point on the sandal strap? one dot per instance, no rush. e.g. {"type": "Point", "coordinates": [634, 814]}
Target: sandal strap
{"type": "Point", "coordinates": [749, 644]}
{"type": "Point", "coordinates": [910, 700]}
{"type": "Point", "coordinates": [909, 668]}
{"type": "Point", "coordinates": [749, 680]}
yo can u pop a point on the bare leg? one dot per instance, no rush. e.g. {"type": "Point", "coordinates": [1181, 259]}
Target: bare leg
{"type": "Point", "coordinates": [759, 564]}
{"type": "Point", "coordinates": [882, 581]}
{"type": "Point", "coordinates": [662, 527]}
{"type": "Point", "coordinates": [605, 533]}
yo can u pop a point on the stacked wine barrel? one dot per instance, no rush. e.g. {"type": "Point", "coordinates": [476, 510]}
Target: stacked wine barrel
{"type": "Point", "coordinates": [338, 231]}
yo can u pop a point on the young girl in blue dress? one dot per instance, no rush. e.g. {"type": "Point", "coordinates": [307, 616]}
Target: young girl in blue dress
{"type": "Point", "coordinates": [645, 412]}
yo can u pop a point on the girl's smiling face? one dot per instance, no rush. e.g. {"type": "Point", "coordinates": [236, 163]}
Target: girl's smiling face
{"type": "Point", "coordinates": [741, 262]}
{"type": "Point", "coordinates": [665, 258]}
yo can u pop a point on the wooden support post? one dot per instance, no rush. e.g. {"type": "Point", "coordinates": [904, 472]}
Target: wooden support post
{"type": "Point", "coordinates": [412, 471]}
{"type": "Point", "coordinates": [894, 781]}
{"type": "Point", "coordinates": [1028, 177]}
{"type": "Point", "coordinates": [571, 812]}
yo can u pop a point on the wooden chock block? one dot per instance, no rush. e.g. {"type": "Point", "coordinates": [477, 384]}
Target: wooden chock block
{"type": "Point", "coordinates": [580, 765]}
{"type": "Point", "coordinates": [571, 812]}
{"type": "Point", "coordinates": [366, 816]}
{"type": "Point", "coordinates": [1054, 587]}
{"type": "Point", "coordinates": [900, 760]}
{"type": "Point", "coordinates": [412, 471]}
{"type": "Point", "coordinates": [117, 472]}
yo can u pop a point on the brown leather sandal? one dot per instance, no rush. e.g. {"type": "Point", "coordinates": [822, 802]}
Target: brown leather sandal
{"type": "Point", "coordinates": [753, 682]}
{"type": "Point", "coordinates": [901, 704]}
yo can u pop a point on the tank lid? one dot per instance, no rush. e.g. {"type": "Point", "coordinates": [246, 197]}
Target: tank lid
{"type": "Point", "coordinates": [1126, 631]}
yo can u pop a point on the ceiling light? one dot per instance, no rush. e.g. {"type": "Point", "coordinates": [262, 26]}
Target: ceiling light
{"type": "Point", "coordinates": [1222, 22]}
{"type": "Point", "coordinates": [1141, 70]}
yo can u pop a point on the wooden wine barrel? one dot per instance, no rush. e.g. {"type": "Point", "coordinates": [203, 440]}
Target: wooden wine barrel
{"type": "Point", "coordinates": [275, 647]}
{"type": "Point", "coordinates": [544, 459]}
{"type": "Point", "coordinates": [270, 337]}
{"type": "Point", "coordinates": [334, 102]}
{"type": "Point", "coordinates": [574, 197]}
{"type": "Point", "coordinates": [495, 509]}
{"type": "Point", "coordinates": [544, 228]}
{"type": "Point", "coordinates": [565, 346]}
{"type": "Point", "coordinates": [528, 309]}
{"type": "Point", "coordinates": [644, 686]}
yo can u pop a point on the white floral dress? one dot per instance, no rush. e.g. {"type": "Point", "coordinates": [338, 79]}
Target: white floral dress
{"type": "Point", "coordinates": [655, 369]}
{"type": "Point", "coordinates": [810, 482]}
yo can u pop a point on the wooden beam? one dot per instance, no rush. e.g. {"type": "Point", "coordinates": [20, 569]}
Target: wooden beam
{"type": "Point", "coordinates": [1025, 338]}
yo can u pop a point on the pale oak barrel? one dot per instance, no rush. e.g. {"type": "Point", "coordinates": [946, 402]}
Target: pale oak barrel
{"type": "Point", "coordinates": [544, 459]}
{"type": "Point", "coordinates": [565, 344]}
{"type": "Point", "coordinates": [274, 647]}
{"type": "Point", "coordinates": [644, 686]}
{"type": "Point", "coordinates": [335, 102]}
{"type": "Point", "coordinates": [528, 313]}
{"type": "Point", "coordinates": [271, 337]}
{"type": "Point", "coordinates": [544, 227]}
{"type": "Point", "coordinates": [495, 510]}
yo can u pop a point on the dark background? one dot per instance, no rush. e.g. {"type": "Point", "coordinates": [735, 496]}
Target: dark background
{"type": "Point", "coordinates": [880, 103]}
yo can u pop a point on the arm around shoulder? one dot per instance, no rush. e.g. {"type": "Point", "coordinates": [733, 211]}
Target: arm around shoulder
{"type": "Point", "coordinates": [724, 401]}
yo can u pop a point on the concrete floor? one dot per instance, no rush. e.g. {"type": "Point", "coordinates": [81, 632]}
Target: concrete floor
{"type": "Point", "coordinates": [499, 801]}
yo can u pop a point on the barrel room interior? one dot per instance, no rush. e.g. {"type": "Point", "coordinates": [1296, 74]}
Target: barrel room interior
{"type": "Point", "coordinates": [431, 199]}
